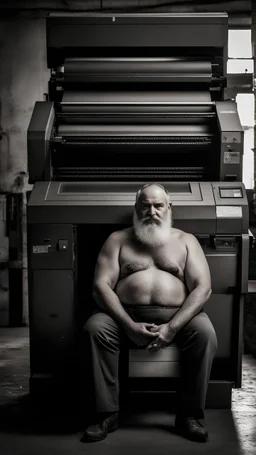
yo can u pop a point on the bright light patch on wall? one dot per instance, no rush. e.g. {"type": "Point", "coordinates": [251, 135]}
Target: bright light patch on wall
{"type": "Point", "coordinates": [240, 66]}
{"type": "Point", "coordinates": [239, 44]}
{"type": "Point", "coordinates": [248, 161]}
{"type": "Point", "coordinates": [245, 108]}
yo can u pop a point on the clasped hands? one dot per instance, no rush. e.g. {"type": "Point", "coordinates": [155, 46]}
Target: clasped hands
{"type": "Point", "coordinates": [152, 336]}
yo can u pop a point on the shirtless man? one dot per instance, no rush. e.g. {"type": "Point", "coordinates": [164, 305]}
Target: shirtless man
{"type": "Point", "coordinates": [151, 282]}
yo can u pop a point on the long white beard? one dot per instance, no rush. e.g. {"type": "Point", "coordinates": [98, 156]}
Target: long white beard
{"type": "Point", "coordinates": [152, 234]}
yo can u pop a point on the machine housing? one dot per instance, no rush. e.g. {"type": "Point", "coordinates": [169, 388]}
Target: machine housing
{"type": "Point", "coordinates": [127, 106]}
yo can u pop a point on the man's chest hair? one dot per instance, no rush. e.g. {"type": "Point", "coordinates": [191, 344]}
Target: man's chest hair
{"type": "Point", "coordinates": [170, 258]}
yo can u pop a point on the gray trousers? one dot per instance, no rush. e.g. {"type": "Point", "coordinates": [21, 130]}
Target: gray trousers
{"type": "Point", "coordinates": [196, 341]}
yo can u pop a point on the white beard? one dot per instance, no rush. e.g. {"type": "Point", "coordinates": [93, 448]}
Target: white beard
{"type": "Point", "coordinates": [152, 234]}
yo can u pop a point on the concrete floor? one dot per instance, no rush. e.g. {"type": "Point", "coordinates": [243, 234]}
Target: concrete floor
{"type": "Point", "coordinates": [22, 432]}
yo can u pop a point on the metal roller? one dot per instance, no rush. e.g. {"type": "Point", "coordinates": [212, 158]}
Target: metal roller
{"type": "Point", "coordinates": [119, 69]}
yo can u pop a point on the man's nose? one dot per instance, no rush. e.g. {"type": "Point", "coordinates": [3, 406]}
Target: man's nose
{"type": "Point", "coordinates": [151, 210]}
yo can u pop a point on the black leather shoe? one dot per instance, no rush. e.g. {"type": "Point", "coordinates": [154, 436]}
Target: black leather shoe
{"type": "Point", "coordinates": [191, 429]}
{"type": "Point", "coordinates": [100, 430]}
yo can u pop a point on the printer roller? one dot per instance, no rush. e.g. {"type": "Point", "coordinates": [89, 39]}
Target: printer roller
{"type": "Point", "coordinates": [134, 107]}
{"type": "Point", "coordinates": [120, 69]}
{"type": "Point", "coordinates": [141, 131]}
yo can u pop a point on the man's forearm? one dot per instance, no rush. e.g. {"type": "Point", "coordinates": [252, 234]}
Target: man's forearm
{"type": "Point", "coordinates": [190, 308]}
{"type": "Point", "coordinates": [107, 299]}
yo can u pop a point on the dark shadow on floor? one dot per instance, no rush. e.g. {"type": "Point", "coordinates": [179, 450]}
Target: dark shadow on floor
{"type": "Point", "coordinates": [23, 415]}
{"type": "Point", "coordinates": [149, 431]}
{"type": "Point", "coordinates": [141, 433]}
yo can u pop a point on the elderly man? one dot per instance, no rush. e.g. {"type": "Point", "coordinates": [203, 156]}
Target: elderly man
{"type": "Point", "coordinates": [151, 282]}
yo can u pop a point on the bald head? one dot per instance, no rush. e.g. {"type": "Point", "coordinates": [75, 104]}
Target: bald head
{"type": "Point", "coordinates": [152, 190]}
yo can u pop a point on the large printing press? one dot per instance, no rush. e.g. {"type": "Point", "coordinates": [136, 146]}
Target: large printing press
{"type": "Point", "coordinates": [133, 98]}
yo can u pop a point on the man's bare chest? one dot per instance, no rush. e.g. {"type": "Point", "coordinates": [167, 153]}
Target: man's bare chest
{"type": "Point", "coordinates": [170, 258]}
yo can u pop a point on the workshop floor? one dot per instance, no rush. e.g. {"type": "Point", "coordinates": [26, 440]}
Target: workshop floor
{"type": "Point", "coordinates": [22, 433]}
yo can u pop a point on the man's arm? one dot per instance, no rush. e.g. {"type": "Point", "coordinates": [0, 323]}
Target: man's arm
{"type": "Point", "coordinates": [105, 279]}
{"type": "Point", "coordinates": [198, 281]}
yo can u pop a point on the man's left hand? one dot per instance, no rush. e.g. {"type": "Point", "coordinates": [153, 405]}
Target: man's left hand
{"type": "Point", "coordinates": [166, 336]}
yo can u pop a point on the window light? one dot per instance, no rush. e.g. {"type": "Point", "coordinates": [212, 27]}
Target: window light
{"type": "Point", "coordinates": [240, 66]}
{"type": "Point", "coordinates": [239, 44]}
{"type": "Point", "coordinates": [245, 108]}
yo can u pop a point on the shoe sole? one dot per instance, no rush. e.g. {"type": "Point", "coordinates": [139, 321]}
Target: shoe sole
{"type": "Point", "coordinates": [191, 438]}
{"type": "Point", "coordinates": [91, 439]}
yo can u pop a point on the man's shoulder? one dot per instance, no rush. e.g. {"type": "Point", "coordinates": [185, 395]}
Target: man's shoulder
{"type": "Point", "coordinates": [120, 235]}
{"type": "Point", "coordinates": [183, 236]}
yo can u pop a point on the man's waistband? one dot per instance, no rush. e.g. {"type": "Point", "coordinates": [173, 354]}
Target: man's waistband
{"type": "Point", "coordinates": [151, 313]}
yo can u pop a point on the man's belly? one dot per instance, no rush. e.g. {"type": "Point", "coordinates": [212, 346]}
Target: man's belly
{"type": "Point", "coordinates": [151, 287]}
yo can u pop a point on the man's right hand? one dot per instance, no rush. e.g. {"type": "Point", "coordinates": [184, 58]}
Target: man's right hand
{"type": "Point", "coordinates": [140, 333]}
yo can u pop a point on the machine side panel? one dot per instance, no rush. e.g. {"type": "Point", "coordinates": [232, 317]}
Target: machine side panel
{"type": "Point", "coordinates": [38, 138]}
{"type": "Point", "coordinates": [223, 268]}
{"type": "Point", "coordinates": [231, 137]}
{"type": "Point", "coordinates": [52, 321]}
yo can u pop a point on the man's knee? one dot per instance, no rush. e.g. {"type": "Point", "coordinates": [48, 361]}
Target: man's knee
{"type": "Point", "coordinates": [206, 334]}
{"type": "Point", "coordinates": [101, 329]}
{"type": "Point", "coordinates": [95, 325]}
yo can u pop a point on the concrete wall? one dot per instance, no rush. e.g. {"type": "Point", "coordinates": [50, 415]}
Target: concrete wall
{"type": "Point", "coordinates": [23, 80]}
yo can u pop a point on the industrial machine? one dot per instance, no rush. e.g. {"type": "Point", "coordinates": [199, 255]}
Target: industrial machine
{"type": "Point", "coordinates": [132, 99]}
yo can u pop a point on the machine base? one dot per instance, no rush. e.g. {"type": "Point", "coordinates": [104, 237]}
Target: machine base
{"type": "Point", "coordinates": [219, 396]}
{"type": "Point", "coordinates": [60, 397]}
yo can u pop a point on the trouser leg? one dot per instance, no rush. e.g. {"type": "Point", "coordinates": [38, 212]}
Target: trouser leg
{"type": "Point", "coordinates": [198, 344]}
{"type": "Point", "coordinates": [103, 338]}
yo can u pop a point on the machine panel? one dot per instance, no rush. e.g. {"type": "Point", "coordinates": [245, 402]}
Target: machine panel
{"type": "Point", "coordinates": [52, 321]}
{"type": "Point", "coordinates": [51, 247]}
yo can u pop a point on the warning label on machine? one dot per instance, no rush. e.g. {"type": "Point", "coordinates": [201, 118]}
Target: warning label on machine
{"type": "Point", "coordinates": [231, 157]}
{"type": "Point", "coordinates": [38, 249]}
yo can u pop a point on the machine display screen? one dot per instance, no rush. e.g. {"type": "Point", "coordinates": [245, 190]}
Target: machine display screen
{"type": "Point", "coordinates": [231, 192]}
